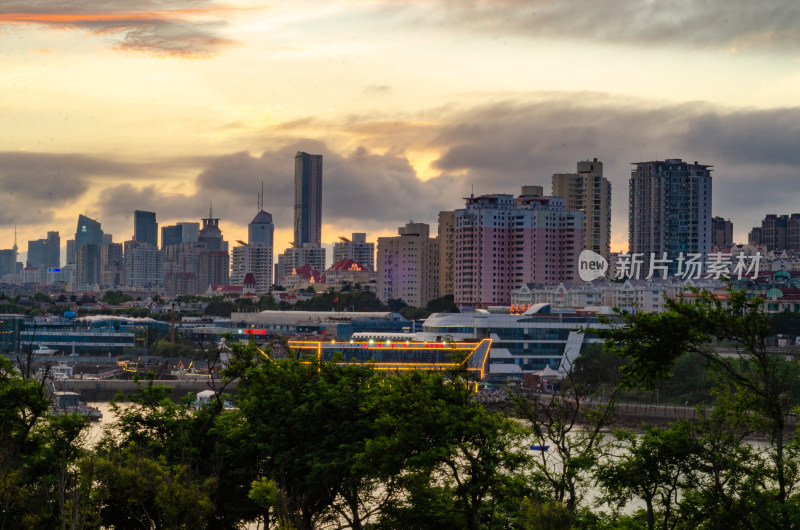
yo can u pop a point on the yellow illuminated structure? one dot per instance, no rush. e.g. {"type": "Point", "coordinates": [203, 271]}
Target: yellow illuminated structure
{"type": "Point", "coordinates": [401, 355]}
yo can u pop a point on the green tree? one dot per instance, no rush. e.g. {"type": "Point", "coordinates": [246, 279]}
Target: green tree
{"type": "Point", "coordinates": [754, 395]}
{"type": "Point", "coordinates": [415, 313]}
{"type": "Point", "coordinates": [652, 467]}
{"type": "Point", "coordinates": [396, 304]}
{"type": "Point", "coordinates": [306, 425]}
{"type": "Point", "coordinates": [220, 308]}
{"type": "Point", "coordinates": [41, 297]}
{"type": "Point", "coordinates": [458, 465]}
{"type": "Point", "coordinates": [444, 304]}
{"type": "Point", "coordinates": [133, 489]}
{"type": "Point", "coordinates": [572, 428]}
{"type": "Point", "coordinates": [37, 453]}
{"type": "Point", "coordinates": [115, 298]}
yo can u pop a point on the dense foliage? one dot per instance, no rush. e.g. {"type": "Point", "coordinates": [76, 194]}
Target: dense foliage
{"type": "Point", "coordinates": [321, 445]}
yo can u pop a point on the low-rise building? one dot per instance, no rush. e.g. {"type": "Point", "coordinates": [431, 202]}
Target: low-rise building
{"type": "Point", "coordinates": [632, 295]}
{"type": "Point", "coordinates": [333, 324]}
{"type": "Point", "coordinates": [523, 343]}
{"type": "Point", "coordinates": [347, 274]}
{"type": "Point", "coordinates": [88, 334]}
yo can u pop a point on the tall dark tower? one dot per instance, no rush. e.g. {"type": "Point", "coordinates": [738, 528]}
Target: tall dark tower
{"type": "Point", "coordinates": [88, 232]}
{"type": "Point", "coordinates": [211, 235]}
{"type": "Point", "coordinates": [145, 227]}
{"type": "Point", "coordinates": [307, 198]}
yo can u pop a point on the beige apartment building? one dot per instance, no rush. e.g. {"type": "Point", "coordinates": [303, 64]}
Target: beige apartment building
{"type": "Point", "coordinates": [590, 192]}
{"type": "Point", "coordinates": [447, 241]}
{"type": "Point", "coordinates": [408, 265]}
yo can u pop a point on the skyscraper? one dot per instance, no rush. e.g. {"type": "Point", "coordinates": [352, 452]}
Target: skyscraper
{"type": "Point", "coordinates": [111, 265]}
{"type": "Point", "coordinates": [88, 231]}
{"type": "Point", "coordinates": [213, 268]}
{"type": "Point", "coordinates": [590, 192]}
{"type": "Point", "coordinates": [256, 257]}
{"type": "Point", "coordinates": [8, 262]}
{"type": "Point", "coordinates": [722, 232]}
{"type": "Point", "coordinates": [179, 233]}
{"type": "Point", "coordinates": [143, 264]}
{"type": "Point", "coordinates": [670, 209]}
{"type": "Point", "coordinates": [87, 268]}
{"type": "Point", "coordinates": [211, 235]}
{"type": "Point", "coordinates": [170, 235]}
{"type": "Point", "coordinates": [70, 252]}
{"type": "Point", "coordinates": [213, 260]}
{"type": "Point", "coordinates": [87, 261]}
{"type": "Point", "coordinates": [260, 229]}
{"type": "Point", "coordinates": [307, 198]}
{"type": "Point", "coordinates": [45, 253]}
{"type": "Point", "coordinates": [145, 227]}
{"type": "Point", "coordinates": [306, 248]}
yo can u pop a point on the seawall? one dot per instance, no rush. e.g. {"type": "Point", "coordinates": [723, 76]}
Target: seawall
{"type": "Point", "coordinates": [105, 389]}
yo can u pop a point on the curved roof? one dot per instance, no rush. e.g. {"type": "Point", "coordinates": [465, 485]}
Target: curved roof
{"type": "Point", "coordinates": [348, 265]}
{"type": "Point", "coordinates": [307, 273]}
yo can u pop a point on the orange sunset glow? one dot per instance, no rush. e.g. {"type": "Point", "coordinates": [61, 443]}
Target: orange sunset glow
{"type": "Point", "coordinates": [412, 105]}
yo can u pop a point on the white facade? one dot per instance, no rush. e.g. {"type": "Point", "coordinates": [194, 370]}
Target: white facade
{"type": "Point", "coordinates": [255, 258]}
{"type": "Point", "coordinates": [293, 258]}
{"type": "Point", "coordinates": [356, 249]}
{"type": "Point", "coordinates": [633, 295]}
{"type": "Point", "coordinates": [520, 343]}
{"type": "Point", "coordinates": [143, 265]}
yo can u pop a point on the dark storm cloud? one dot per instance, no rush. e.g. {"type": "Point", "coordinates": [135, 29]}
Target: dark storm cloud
{"type": "Point", "coordinates": [766, 136]}
{"type": "Point", "coordinates": [32, 185]}
{"type": "Point", "coordinates": [501, 146]}
{"type": "Point", "coordinates": [229, 184]}
{"type": "Point", "coordinates": [159, 27]}
{"type": "Point", "coordinates": [117, 204]}
{"type": "Point", "coordinates": [734, 24]}
{"type": "Point", "coordinates": [377, 190]}
{"type": "Point", "coordinates": [496, 148]}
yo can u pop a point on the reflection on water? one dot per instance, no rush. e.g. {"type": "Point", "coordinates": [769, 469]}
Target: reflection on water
{"type": "Point", "coordinates": [95, 431]}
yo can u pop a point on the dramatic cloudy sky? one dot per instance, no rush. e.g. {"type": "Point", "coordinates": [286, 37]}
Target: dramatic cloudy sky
{"type": "Point", "coordinates": [111, 106]}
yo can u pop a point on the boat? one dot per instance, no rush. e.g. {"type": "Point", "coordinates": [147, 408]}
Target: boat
{"type": "Point", "coordinates": [205, 397]}
{"type": "Point", "coordinates": [62, 371]}
{"type": "Point", "coordinates": [70, 403]}
{"type": "Point", "coordinates": [43, 349]}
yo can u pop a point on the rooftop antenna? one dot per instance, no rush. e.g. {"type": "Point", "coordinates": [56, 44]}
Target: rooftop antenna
{"type": "Point", "coordinates": [210, 214]}
{"type": "Point", "coordinates": [261, 197]}
{"type": "Point", "coordinates": [15, 241]}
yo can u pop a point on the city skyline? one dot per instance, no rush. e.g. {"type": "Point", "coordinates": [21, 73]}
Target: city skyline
{"type": "Point", "coordinates": [165, 107]}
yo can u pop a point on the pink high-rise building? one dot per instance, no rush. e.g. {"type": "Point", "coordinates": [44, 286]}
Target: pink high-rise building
{"type": "Point", "coordinates": [502, 243]}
